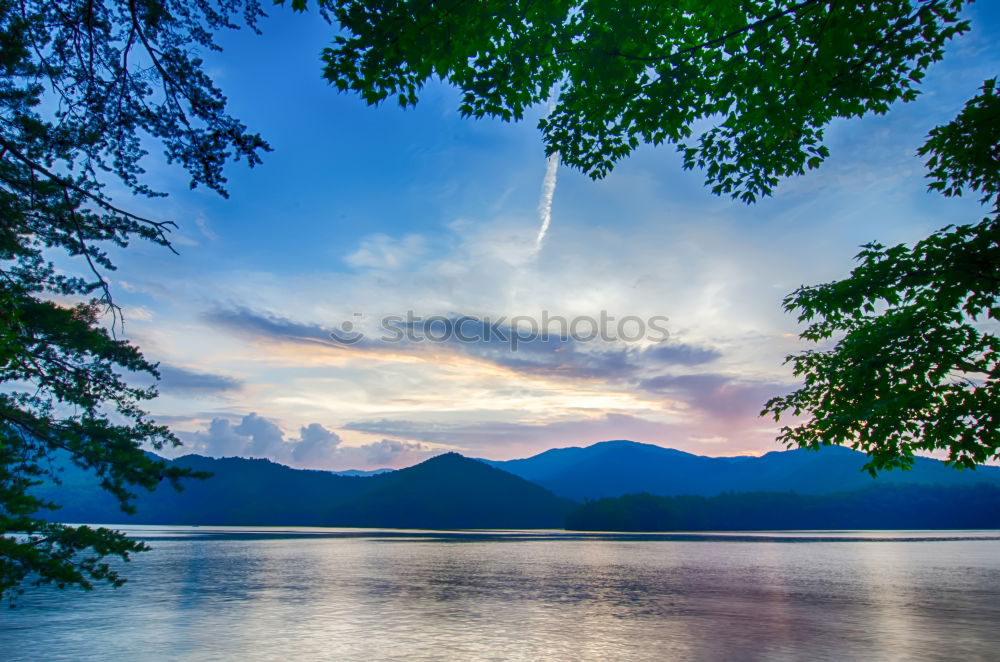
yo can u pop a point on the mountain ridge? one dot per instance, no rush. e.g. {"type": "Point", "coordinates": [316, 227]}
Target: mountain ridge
{"type": "Point", "coordinates": [619, 467]}
{"type": "Point", "coordinates": [446, 491]}
{"type": "Point", "coordinates": [453, 491]}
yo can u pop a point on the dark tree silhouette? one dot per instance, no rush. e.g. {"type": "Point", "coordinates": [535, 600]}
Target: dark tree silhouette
{"type": "Point", "coordinates": [82, 84]}
{"type": "Point", "coordinates": [916, 364]}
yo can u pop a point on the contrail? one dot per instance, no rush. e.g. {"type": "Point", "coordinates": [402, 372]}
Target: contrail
{"type": "Point", "coordinates": [545, 202]}
{"type": "Point", "coordinates": [549, 183]}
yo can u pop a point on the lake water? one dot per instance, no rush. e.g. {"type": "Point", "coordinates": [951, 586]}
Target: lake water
{"type": "Point", "coordinates": [311, 594]}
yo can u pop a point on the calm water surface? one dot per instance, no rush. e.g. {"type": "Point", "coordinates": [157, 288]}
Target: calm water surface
{"type": "Point", "coordinates": [308, 594]}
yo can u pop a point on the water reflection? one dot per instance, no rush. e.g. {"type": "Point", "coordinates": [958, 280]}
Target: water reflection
{"type": "Point", "coordinates": [219, 594]}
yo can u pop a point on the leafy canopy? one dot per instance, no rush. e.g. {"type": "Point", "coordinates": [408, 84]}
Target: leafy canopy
{"type": "Point", "coordinates": [916, 362]}
{"type": "Point", "coordinates": [743, 89]}
{"type": "Point", "coordinates": [83, 83]}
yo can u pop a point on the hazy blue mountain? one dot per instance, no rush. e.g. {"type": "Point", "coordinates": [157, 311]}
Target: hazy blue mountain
{"type": "Point", "coordinates": [448, 491]}
{"type": "Point", "coordinates": [451, 491]}
{"type": "Point", "coordinates": [878, 506]}
{"type": "Point", "coordinates": [361, 472]}
{"type": "Point", "coordinates": [616, 468]}
{"type": "Point", "coordinates": [240, 492]}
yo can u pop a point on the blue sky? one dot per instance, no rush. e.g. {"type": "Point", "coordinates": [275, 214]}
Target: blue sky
{"type": "Point", "coordinates": [378, 211]}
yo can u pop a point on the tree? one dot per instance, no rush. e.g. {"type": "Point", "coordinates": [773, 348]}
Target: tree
{"type": "Point", "coordinates": [916, 365]}
{"type": "Point", "coordinates": [767, 75]}
{"type": "Point", "coordinates": [744, 91]}
{"type": "Point", "coordinates": [82, 84]}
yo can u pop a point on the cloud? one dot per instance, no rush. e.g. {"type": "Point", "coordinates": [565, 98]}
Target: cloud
{"type": "Point", "coordinates": [266, 326]}
{"type": "Point", "coordinates": [723, 397]}
{"type": "Point", "coordinates": [182, 380]}
{"type": "Point", "coordinates": [501, 440]}
{"type": "Point", "coordinates": [380, 251]}
{"type": "Point", "coordinates": [316, 447]}
{"type": "Point", "coordinates": [220, 440]}
{"type": "Point", "coordinates": [140, 313]}
{"type": "Point", "coordinates": [386, 451]}
{"type": "Point", "coordinates": [681, 354]}
{"type": "Point", "coordinates": [561, 352]}
{"type": "Point", "coordinates": [601, 360]}
{"type": "Point", "coordinates": [264, 438]}
{"type": "Point", "coordinates": [205, 229]}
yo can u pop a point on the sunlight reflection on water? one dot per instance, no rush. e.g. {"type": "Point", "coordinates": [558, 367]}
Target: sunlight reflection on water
{"type": "Point", "coordinates": [278, 594]}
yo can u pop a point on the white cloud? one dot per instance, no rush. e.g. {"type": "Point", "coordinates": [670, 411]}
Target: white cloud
{"type": "Point", "coordinates": [381, 251]}
{"type": "Point", "coordinates": [316, 447]}
{"type": "Point", "coordinates": [205, 229]}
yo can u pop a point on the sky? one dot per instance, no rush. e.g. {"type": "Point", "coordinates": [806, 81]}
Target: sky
{"type": "Point", "coordinates": [360, 213]}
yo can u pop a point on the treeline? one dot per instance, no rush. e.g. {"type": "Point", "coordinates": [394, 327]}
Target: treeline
{"type": "Point", "coordinates": [879, 507]}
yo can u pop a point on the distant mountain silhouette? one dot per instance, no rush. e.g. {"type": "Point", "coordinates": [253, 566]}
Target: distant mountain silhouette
{"type": "Point", "coordinates": [362, 472]}
{"type": "Point", "coordinates": [616, 468]}
{"type": "Point", "coordinates": [447, 491]}
{"type": "Point", "coordinates": [451, 491]}
{"type": "Point", "coordinates": [880, 506]}
{"type": "Point", "coordinates": [241, 492]}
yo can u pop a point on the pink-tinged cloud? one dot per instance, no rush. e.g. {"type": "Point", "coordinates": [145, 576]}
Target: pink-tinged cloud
{"type": "Point", "coordinates": [315, 447]}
